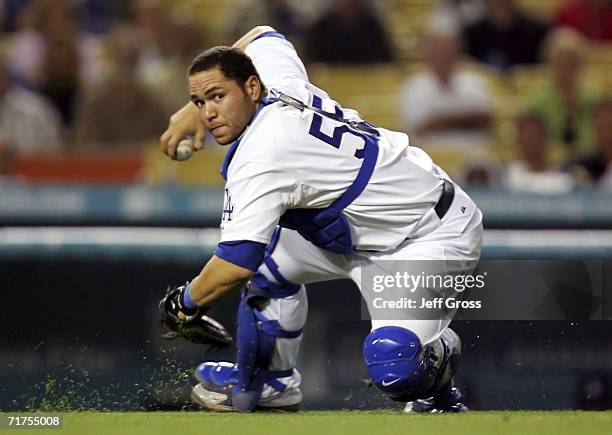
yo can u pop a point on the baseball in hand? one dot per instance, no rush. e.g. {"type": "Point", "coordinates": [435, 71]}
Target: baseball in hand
{"type": "Point", "coordinates": [184, 149]}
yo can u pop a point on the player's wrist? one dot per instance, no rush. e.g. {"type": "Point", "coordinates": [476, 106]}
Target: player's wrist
{"type": "Point", "coordinates": [188, 306]}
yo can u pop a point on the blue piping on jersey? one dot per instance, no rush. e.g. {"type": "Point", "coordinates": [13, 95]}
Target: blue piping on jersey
{"type": "Point", "coordinates": [243, 253]}
{"type": "Point", "coordinates": [269, 34]}
{"type": "Point", "coordinates": [234, 146]}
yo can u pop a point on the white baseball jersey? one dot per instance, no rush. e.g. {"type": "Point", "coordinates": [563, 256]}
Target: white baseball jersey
{"type": "Point", "coordinates": [279, 164]}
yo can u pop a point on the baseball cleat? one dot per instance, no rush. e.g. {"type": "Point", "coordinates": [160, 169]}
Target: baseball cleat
{"type": "Point", "coordinates": [446, 401]}
{"type": "Point", "coordinates": [217, 380]}
{"type": "Point", "coordinates": [212, 400]}
{"type": "Point", "coordinates": [221, 402]}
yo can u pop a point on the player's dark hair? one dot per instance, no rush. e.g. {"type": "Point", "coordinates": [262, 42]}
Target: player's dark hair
{"type": "Point", "coordinates": [232, 62]}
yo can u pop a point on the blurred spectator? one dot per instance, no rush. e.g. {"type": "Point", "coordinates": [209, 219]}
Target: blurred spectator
{"type": "Point", "coordinates": [95, 16]}
{"type": "Point", "coordinates": [596, 168]}
{"type": "Point", "coordinates": [462, 12]}
{"type": "Point", "coordinates": [28, 122]}
{"type": "Point", "coordinates": [533, 170]}
{"type": "Point", "coordinates": [162, 68]}
{"type": "Point", "coordinates": [445, 103]}
{"type": "Point", "coordinates": [563, 101]}
{"type": "Point", "coordinates": [276, 13]}
{"type": "Point", "coordinates": [60, 80]}
{"type": "Point", "coordinates": [592, 18]}
{"type": "Point", "coordinates": [9, 13]}
{"type": "Point", "coordinates": [57, 18]}
{"type": "Point", "coordinates": [349, 33]}
{"type": "Point", "coordinates": [505, 36]}
{"type": "Point", "coordinates": [28, 46]}
{"type": "Point", "coordinates": [99, 16]}
{"type": "Point", "coordinates": [45, 55]}
{"type": "Point", "coordinates": [152, 18]}
{"type": "Point", "coordinates": [121, 113]}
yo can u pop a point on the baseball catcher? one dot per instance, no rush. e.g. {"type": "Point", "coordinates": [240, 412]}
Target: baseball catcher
{"type": "Point", "coordinates": [313, 193]}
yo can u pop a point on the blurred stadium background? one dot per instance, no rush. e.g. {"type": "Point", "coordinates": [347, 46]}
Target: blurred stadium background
{"type": "Point", "coordinates": [95, 222]}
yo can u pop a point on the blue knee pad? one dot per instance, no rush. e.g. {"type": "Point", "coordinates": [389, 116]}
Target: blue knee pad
{"type": "Point", "coordinates": [255, 338]}
{"type": "Point", "coordinates": [398, 364]}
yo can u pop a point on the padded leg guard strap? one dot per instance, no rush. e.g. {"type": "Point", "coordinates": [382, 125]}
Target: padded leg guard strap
{"type": "Point", "coordinates": [256, 338]}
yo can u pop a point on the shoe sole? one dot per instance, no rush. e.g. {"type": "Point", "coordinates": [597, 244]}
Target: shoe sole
{"type": "Point", "coordinates": [409, 409]}
{"type": "Point", "coordinates": [218, 402]}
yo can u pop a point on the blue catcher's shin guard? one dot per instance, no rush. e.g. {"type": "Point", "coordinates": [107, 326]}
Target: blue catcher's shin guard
{"type": "Point", "coordinates": [256, 337]}
{"type": "Point", "coordinates": [404, 369]}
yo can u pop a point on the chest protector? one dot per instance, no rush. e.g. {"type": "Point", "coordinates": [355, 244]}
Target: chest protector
{"type": "Point", "coordinates": [328, 228]}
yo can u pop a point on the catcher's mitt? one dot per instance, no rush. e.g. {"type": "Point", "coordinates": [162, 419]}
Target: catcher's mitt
{"type": "Point", "coordinates": [199, 328]}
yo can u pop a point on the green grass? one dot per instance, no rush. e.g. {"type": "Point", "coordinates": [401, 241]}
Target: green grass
{"type": "Point", "coordinates": [334, 423]}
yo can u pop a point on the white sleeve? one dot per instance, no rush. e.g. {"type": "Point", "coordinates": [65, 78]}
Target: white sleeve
{"type": "Point", "coordinates": [255, 198]}
{"type": "Point", "coordinates": [276, 60]}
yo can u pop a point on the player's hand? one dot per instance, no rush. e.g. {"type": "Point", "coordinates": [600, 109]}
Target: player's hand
{"type": "Point", "coordinates": [191, 324]}
{"type": "Point", "coordinates": [186, 121]}
{"type": "Point", "coordinates": [172, 306]}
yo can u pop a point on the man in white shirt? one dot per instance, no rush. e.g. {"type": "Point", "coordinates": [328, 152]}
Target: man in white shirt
{"type": "Point", "coordinates": [314, 193]}
{"type": "Point", "coordinates": [29, 124]}
{"type": "Point", "coordinates": [445, 104]}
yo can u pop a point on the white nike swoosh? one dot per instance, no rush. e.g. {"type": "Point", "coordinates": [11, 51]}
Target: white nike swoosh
{"type": "Point", "coordinates": [386, 384]}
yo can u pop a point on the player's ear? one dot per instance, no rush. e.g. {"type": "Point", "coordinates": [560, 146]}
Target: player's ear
{"type": "Point", "coordinates": [253, 89]}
